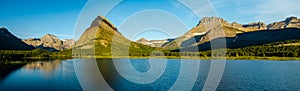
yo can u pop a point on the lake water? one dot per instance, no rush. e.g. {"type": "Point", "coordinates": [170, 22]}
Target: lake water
{"type": "Point", "coordinates": [53, 75]}
{"type": "Point", "coordinates": [238, 75]}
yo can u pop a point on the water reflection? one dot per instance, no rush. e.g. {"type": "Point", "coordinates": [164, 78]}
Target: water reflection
{"type": "Point", "coordinates": [45, 66]}
{"type": "Point", "coordinates": [244, 75]}
{"type": "Point", "coordinates": [109, 72]}
{"type": "Point", "coordinates": [54, 75]}
{"type": "Point", "coordinates": [7, 68]}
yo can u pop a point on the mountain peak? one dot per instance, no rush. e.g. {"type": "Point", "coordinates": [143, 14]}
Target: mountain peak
{"type": "Point", "coordinates": [142, 40]}
{"type": "Point", "coordinates": [102, 22]}
{"type": "Point", "coordinates": [213, 20]}
{"type": "Point", "coordinates": [291, 19]}
{"type": "Point", "coordinates": [3, 30]}
{"type": "Point", "coordinates": [100, 28]}
{"type": "Point", "coordinates": [10, 42]}
{"type": "Point", "coordinates": [50, 36]}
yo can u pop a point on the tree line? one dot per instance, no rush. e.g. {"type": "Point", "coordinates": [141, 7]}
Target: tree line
{"type": "Point", "coordinates": [277, 49]}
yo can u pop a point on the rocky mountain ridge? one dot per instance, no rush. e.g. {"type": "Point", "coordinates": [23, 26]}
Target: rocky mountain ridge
{"type": "Point", "coordinates": [261, 33]}
{"type": "Point", "coordinates": [50, 42]}
{"type": "Point", "coordinates": [201, 32]}
{"type": "Point", "coordinates": [290, 22]}
{"type": "Point", "coordinates": [103, 33]}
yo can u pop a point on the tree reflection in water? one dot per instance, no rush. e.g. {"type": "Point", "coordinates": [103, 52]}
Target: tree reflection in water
{"type": "Point", "coordinates": [7, 68]}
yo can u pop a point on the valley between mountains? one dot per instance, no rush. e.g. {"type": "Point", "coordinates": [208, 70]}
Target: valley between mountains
{"type": "Point", "coordinates": [256, 40]}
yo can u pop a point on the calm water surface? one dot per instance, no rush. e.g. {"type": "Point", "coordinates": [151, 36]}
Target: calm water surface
{"type": "Point", "coordinates": [238, 75]}
{"type": "Point", "coordinates": [53, 75]}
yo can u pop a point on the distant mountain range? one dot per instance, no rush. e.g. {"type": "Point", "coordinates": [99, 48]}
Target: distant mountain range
{"type": "Point", "coordinates": [154, 43]}
{"type": "Point", "coordinates": [237, 35]}
{"type": "Point", "coordinates": [103, 37]}
{"type": "Point", "coordinates": [50, 42]}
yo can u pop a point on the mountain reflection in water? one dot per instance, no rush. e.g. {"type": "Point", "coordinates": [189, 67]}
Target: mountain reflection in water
{"type": "Point", "coordinates": [45, 66]}
{"type": "Point", "coordinates": [52, 75]}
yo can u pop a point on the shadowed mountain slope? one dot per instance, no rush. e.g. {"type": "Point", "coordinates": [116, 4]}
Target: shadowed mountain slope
{"type": "Point", "coordinates": [210, 28]}
{"type": "Point", "coordinates": [10, 42]}
{"type": "Point", "coordinates": [252, 38]}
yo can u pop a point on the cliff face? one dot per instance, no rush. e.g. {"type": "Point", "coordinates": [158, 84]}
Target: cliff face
{"type": "Point", "coordinates": [50, 42]}
{"type": "Point", "coordinates": [10, 42]}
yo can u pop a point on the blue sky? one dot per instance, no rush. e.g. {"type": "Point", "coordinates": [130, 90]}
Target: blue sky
{"type": "Point", "coordinates": [35, 18]}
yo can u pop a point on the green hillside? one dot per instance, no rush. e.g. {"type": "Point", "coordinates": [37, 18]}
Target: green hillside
{"type": "Point", "coordinates": [103, 39]}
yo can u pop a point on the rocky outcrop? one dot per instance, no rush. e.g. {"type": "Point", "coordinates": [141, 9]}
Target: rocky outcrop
{"type": "Point", "coordinates": [10, 42]}
{"type": "Point", "coordinates": [290, 22]}
{"type": "Point", "coordinates": [50, 42]}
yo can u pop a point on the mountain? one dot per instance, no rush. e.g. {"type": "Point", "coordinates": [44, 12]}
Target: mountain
{"type": "Point", "coordinates": [142, 41]}
{"type": "Point", "coordinates": [10, 42]}
{"type": "Point", "coordinates": [153, 43]}
{"type": "Point", "coordinates": [50, 42]}
{"type": "Point", "coordinates": [102, 37]}
{"type": "Point", "coordinates": [201, 32]}
{"type": "Point", "coordinates": [209, 28]}
{"type": "Point", "coordinates": [100, 26]}
{"type": "Point", "coordinates": [252, 39]}
{"type": "Point", "coordinates": [238, 35]}
{"type": "Point", "coordinates": [290, 22]}
{"type": "Point", "coordinates": [68, 43]}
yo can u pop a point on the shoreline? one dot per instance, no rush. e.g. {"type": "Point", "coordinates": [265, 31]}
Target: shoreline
{"type": "Point", "coordinates": [167, 57]}
{"type": "Point", "coordinates": [207, 58]}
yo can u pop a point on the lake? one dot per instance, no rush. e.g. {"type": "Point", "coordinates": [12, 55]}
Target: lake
{"type": "Point", "coordinates": [142, 74]}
